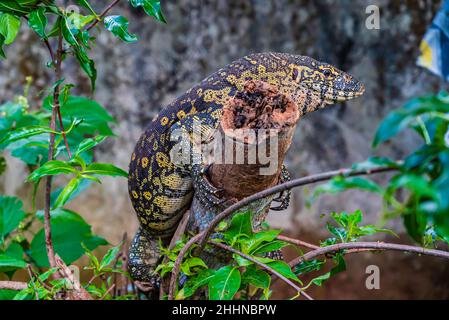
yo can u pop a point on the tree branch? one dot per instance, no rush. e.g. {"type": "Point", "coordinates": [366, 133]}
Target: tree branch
{"type": "Point", "coordinates": [298, 243]}
{"type": "Point", "coordinates": [103, 14]}
{"type": "Point", "coordinates": [47, 226]}
{"type": "Point", "coordinates": [372, 246]}
{"type": "Point", "coordinates": [262, 265]}
{"type": "Point", "coordinates": [13, 285]}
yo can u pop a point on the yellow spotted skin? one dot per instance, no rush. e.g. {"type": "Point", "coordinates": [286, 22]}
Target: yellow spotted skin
{"type": "Point", "coordinates": [159, 190]}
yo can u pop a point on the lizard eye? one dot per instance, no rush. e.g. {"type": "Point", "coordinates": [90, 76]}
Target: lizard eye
{"type": "Point", "coordinates": [327, 72]}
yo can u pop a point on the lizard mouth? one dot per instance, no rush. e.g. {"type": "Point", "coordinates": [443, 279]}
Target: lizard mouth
{"type": "Point", "coordinates": [331, 95]}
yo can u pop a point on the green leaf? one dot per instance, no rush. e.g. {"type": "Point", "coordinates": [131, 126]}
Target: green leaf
{"type": "Point", "coordinates": [85, 183]}
{"type": "Point", "coordinates": [402, 118]}
{"type": "Point", "coordinates": [7, 294]}
{"type": "Point", "coordinates": [319, 280]}
{"type": "Point", "coordinates": [191, 263]}
{"type": "Point", "coordinates": [224, 284]}
{"type": "Point", "coordinates": [416, 184]}
{"type": "Point", "coordinates": [23, 133]}
{"type": "Point", "coordinates": [308, 266]}
{"type": "Point", "coordinates": [110, 256]}
{"type": "Point", "coordinates": [67, 192]}
{"type": "Point", "coordinates": [270, 247]}
{"type": "Point", "coordinates": [252, 244]}
{"type": "Point", "coordinates": [105, 169]}
{"type": "Point", "coordinates": [9, 27]}
{"type": "Point", "coordinates": [88, 144]}
{"type": "Point", "coordinates": [151, 8]}
{"type": "Point", "coordinates": [69, 230]}
{"type": "Point", "coordinates": [256, 278]}
{"type": "Point", "coordinates": [375, 162]}
{"type": "Point", "coordinates": [95, 118]}
{"type": "Point", "coordinates": [339, 184]}
{"type": "Point", "coordinates": [50, 168]}
{"type": "Point", "coordinates": [87, 5]}
{"type": "Point", "coordinates": [118, 25]}
{"type": "Point", "coordinates": [284, 269]}
{"type": "Point", "coordinates": [2, 42]}
{"type": "Point", "coordinates": [194, 283]}
{"type": "Point", "coordinates": [87, 64]}
{"type": "Point", "coordinates": [11, 214]}
{"type": "Point", "coordinates": [12, 258]}
{"type": "Point", "coordinates": [38, 22]}
{"type": "Point", "coordinates": [240, 225]}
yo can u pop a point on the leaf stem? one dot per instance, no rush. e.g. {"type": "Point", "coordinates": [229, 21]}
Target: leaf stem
{"type": "Point", "coordinates": [103, 14]}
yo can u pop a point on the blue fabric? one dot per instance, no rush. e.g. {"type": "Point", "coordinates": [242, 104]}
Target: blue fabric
{"type": "Point", "coordinates": [435, 45]}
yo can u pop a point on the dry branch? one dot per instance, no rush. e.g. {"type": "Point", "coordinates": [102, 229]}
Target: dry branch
{"type": "Point", "coordinates": [373, 246]}
{"type": "Point", "coordinates": [13, 285]}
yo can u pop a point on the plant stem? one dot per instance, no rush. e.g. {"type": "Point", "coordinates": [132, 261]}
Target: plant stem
{"type": "Point", "coordinates": [13, 285]}
{"type": "Point", "coordinates": [103, 14]}
{"type": "Point", "coordinates": [262, 265]}
{"type": "Point", "coordinates": [48, 180]}
{"type": "Point", "coordinates": [298, 243]}
{"type": "Point", "coordinates": [373, 246]}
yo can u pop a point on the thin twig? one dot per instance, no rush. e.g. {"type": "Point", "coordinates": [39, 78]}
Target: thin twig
{"type": "Point", "coordinates": [177, 235]}
{"type": "Point", "coordinates": [106, 293]}
{"type": "Point", "coordinates": [48, 180]}
{"type": "Point", "coordinates": [103, 14]}
{"type": "Point", "coordinates": [262, 265]}
{"type": "Point", "coordinates": [177, 265]}
{"type": "Point", "coordinates": [282, 187]}
{"type": "Point", "coordinates": [32, 282]}
{"type": "Point", "coordinates": [374, 246]}
{"type": "Point", "coordinates": [297, 242]}
{"type": "Point", "coordinates": [13, 285]}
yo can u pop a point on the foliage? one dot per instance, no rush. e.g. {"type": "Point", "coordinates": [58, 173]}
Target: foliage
{"type": "Point", "coordinates": [240, 278]}
{"type": "Point", "coordinates": [419, 191]}
{"type": "Point", "coordinates": [78, 125]}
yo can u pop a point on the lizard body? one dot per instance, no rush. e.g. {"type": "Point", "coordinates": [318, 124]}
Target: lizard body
{"type": "Point", "coordinates": [161, 191]}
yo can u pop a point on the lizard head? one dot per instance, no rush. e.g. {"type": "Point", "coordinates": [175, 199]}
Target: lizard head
{"type": "Point", "coordinates": [313, 84]}
{"type": "Point", "coordinates": [320, 84]}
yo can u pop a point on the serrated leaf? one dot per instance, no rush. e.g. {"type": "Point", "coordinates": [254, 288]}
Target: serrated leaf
{"type": "Point", "coordinates": [118, 26]}
{"type": "Point", "coordinates": [38, 21]}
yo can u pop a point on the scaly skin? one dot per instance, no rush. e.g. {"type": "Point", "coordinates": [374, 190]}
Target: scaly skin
{"type": "Point", "coordinates": [161, 191]}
